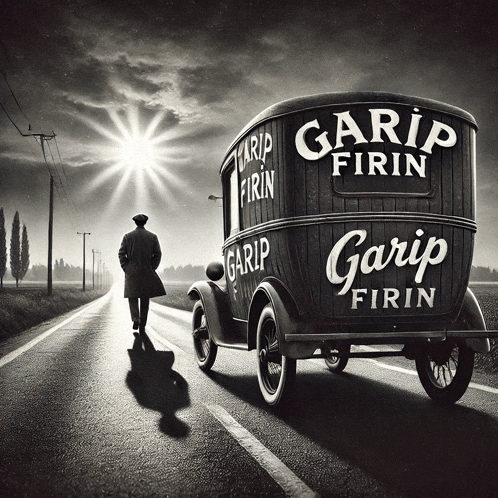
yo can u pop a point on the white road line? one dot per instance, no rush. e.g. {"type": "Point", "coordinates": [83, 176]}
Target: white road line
{"type": "Point", "coordinates": [18, 352]}
{"type": "Point", "coordinates": [183, 315]}
{"type": "Point", "coordinates": [392, 367]}
{"type": "Point", "coordinates": [150, 331]}
{"type": "Point", "coordinates": [283, 476]}
{"type": "Point", "coordinates": [413, 372]}
{"type": "Point", "coordinates": [484, 388]}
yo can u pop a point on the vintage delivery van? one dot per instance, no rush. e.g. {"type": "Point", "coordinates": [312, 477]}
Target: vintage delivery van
{"type": "Point", "coordinates": [349, 219]}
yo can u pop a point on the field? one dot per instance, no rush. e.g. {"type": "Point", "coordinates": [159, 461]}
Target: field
{"type": "Point", "coordinates": [176, 296]}
{"type": "Point", "coordinates": [487, 295]}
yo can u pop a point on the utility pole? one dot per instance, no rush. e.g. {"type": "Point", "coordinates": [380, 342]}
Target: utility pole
{"type": "Point", "coordinates": [50, 237]}
{"type": "Point", "coordinates": [44, 138]}
{"type": "Point", "coordinates": [84, 234]}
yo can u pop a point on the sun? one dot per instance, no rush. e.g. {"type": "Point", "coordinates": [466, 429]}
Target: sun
{"type": "Point", "coordinates": [138, 153]}
{"type": "Point", "coordinates": [138, 157]}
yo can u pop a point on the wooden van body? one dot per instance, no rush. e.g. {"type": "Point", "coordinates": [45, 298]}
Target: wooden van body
{"type": "Point", "coordinates": [360, 206]}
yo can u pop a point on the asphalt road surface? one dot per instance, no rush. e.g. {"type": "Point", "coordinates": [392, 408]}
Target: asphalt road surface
{"type": "Point", "coordinates": [90, 410]}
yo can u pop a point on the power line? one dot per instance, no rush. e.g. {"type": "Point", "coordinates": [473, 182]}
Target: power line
{"type": "Point", "coordinates": [14, 97]}
{"type": "Point", "coordinates": [60, 159]}
{"type": "Point", "coordinates": [12, 121]}
{"type": "Point", "coordinates": [61, 185]}
{"type": "Point", "coordinates": [40, 138]}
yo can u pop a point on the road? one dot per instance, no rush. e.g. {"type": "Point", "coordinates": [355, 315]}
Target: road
{"type": "Point", "coordinates": [90, 410]}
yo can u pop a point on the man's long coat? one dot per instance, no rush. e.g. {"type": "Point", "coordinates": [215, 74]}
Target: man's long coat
{"type": "Point", "coordinates": [139, 256]}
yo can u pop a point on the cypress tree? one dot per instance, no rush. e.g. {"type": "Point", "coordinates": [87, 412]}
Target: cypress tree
{"type": "Point", "coordinates": [3, 247]}
{"type": "Point", "coordinates": [24, 252]}
{"type": "Point", "coordinates": [15, 249]}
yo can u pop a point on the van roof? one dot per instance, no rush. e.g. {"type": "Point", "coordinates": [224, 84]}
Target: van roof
{"type": "Point", "coordinates": [344, 98]}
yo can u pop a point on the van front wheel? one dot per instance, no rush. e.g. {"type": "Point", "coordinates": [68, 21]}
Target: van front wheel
{"type": "Point", "coordinates": [274, 369]}
{"type": "Point", "coordinates": [336, 359]}
{"type": "Point", "coordinates": [205, 349]}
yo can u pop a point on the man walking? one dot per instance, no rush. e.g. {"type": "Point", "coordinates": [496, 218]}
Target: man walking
{"type": "Point", "coordinates": [139, 256]}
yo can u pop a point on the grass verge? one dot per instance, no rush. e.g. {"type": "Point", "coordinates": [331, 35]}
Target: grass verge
{"type": "Point", "coordinates": [21, 309]}
{"type": "Point", "coordinates": [175, 298]}
{"type": "Point", "coordinates": [487, 296]}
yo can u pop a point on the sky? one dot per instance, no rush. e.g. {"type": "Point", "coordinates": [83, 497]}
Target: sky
{"type": "Point", "coordinates": [145, 97]}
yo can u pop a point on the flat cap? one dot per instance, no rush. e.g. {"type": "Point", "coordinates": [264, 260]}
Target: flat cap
{"type": "Point", "coordinates": [140, 218]}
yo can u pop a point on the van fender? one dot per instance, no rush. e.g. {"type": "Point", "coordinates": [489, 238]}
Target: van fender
{"type": "Point", "coordinates": [275, 292]}
{"type": "Point", "coordinates": [471, 318]}
{"type": "Point", "coordinates": [223, 329]}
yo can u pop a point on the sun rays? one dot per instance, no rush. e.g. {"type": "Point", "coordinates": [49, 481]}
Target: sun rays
{"type": "Point", "coordinates": [138, 161]}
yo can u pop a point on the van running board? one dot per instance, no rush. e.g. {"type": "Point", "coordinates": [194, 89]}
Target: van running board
{"type": "Point", "coordinates": [393, 337]}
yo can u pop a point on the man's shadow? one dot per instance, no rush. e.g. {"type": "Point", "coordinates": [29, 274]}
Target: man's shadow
{"type": "Point", "coordinates": [156, 385]}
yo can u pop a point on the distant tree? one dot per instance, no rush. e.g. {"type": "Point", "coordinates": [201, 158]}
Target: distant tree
{"type": "Point", "coordinates": [24, 252]}
{"type": "Point", "coordinates": [38, 272]}
{"type": "Point", "coordinates": [483, 274]}
{"type": "Point", "coordinates": [15, 249]}
{"type": "Point", "coordinates": [186, 273]}
{"type": "Point", "coordinates": [3, 247]}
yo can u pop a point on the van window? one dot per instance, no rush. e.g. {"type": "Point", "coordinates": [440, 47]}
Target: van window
{"type": "Point", "coordinates": [231, 206]}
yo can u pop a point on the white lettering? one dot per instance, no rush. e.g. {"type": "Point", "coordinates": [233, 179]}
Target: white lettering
{"type": "Point", "coordinates": [331, 270]}
{"type": "Point", "coordinates": [396, 252]}
{"type": "Point", "coordinates": [338, 161]}
{"type": "Point", "coordinates": [392, 297]}
{"type": "Point", "coordinates": [413, 131]}
{"type": "Point", "coordinates": [440, 134]}
{"type": "Point", "coordinates": [270, 180]}
{"type": "Point", "coordinates": [387, 127]}
{"type": "Point", "coordinates": [426, 258]}
{"type": "Point", "coordinates": [344, 118]}
{"type": "Point", "coordinates": [376, 161]}
{"type": "Point", "coordinates": [230, 265]}
{"type": "Point", "coordinates": [242, 192]}
{"type": "Point", "coordinates": [379, 163]}
{"type": "Point", "coordinates": [408, 297]}
{"type": "Point", "coordinates": [420, 168]}
{"type": "Point", "coordinates": [356, 298]}
{"type": "Point", "coordinates": [358, 170]}
{"type": "Point", "coordinates": [428, 299]}
{"type": "Point", "coordinates": [265, 251]}
{"type": "Point", "coordinates": [254, 148]}
{"type": "Point", "coordinates": [303, 149]}
{"type": "Point", "coordinates": [374, 299]}
{"type": "Point", "coordinates": [248, 260]}
{"type": "Point", "coordinates": [238, 263]}
{"type": "Point", "coordinates": [395, 164]}
{"type": "Point", "coordinates": [268, 147]}
{"type": "Point", "coordinates": [255, 185]}
{"type": "Point", "coordinates": [434, 138]}
{"type": "Point", "coordinates": [247, 248]}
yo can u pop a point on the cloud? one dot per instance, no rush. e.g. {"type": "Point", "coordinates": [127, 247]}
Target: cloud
{"type": "Point", "coordinates": [208, 84]}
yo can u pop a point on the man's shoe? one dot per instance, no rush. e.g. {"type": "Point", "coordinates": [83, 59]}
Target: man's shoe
{"type": "Point", "coordinates": [135, 325]}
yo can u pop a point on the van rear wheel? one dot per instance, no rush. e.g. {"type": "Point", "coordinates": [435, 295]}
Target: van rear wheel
{"type": "Point", "coordinates": [275, 371]}
{"type": "Point", "coordinates": [445, 371]}
{"type": "Point", "coordinates": [205, 349]}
